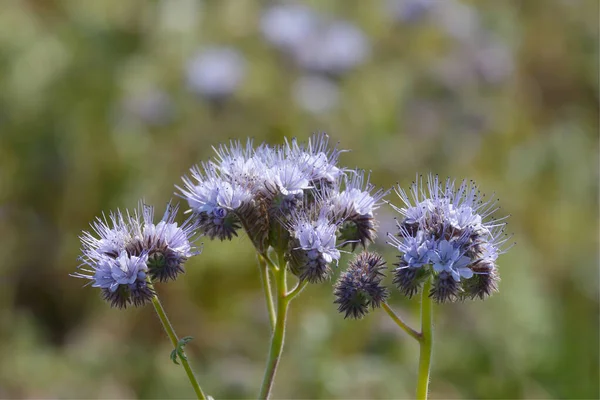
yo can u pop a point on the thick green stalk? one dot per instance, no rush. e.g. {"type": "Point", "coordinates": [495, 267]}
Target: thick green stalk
{"type": "Point", "coordinates": [278, 335]}
{"type": "Point", "coordinates": [175, 341]}
{"type": "Point", "coordinates": [426, 343]}
{"type": "Point", "coordinates": [277, 339]}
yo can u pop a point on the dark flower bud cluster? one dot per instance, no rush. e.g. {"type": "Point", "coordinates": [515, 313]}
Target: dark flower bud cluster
{"type": "Point", "coordinates": [292, 198]}
{"type": "Point", "coordinates": [447, 233]}
{"type": "Point", "coordinates": [359, 287]}
{"type": "Point", "coordinates": [120, 256]}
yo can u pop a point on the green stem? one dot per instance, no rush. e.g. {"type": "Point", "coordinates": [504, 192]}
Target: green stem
{"type": "Point", "coordinates": [277, 339]}
{"type": "Point", "coordinates": [403, 325]}
{"type": "Point", "coordinates": [174, 341]}
{"type": "Point", "coordinates": [296, 291]}
{"type": "Point", "coordinates": [266, 284]}
{"type": "Point", "coordinates": [426, 342]}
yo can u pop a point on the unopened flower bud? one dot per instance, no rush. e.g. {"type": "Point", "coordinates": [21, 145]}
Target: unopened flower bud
{"type": "Point", "coordinates": [359, 287]}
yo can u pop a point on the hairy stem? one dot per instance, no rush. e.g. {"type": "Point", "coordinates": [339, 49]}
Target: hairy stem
{"type": "Point", "coordinates": [175, 341]}
{"type": "Point", "coordinates": [266, 284]}
{"type": "Point", "coordinates": [403, 325]}
{"type": "Point", "coordinates": [277, 339]}
{"type": "Point", "coordinates": [296, 290]}
{"type": "Point", "coordinates": [426, 342]}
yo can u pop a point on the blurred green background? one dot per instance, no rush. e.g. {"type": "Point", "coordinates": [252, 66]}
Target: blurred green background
{"type": "Point", "coordinates": [105, 102]}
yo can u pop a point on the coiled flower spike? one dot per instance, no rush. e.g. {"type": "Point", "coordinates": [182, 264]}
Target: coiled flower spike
{"type": "Point", "coordinates": [359, 287]}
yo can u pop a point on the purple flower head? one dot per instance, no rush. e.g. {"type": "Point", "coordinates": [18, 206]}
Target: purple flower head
{"type": "Point", "coordinates": [240, 164]}
{"type": "Point", "coordinates": [316, 158]}
{"type": "Point", "coordinates": [315, 93]}
{"type": "Point", "coordinates": [124, 270]}
{"type": "Point", "coordinates": [215, 199]}
{"type": "Point", "coordinates": [107, 239]}
{"type": "Point", "coordinates": [415, 250]}
{"type": "Point", "coordinates": [417, 213]}
{"type": "Point", "coordinates": [260, 188]}
{"type": "Point", "coordinates": [446, 230]}
{"type": "Point", "coordinates": [334, 49]}
{"type": "Point", "coordinates": [216, 73]}
{"type": "Point", "coordinates": [462, 217]}
{"type": "Point", "coordinates": [358, 195]}
{"type": "Point", "coordinates": [118, 256]}
{"type": "Point", "coordinates": [313, 245]}
{"type": "Point", "coordinates": [167, 244]}
{"type": "Point", "coordinates": [355, 204]}
{"type": "Point", "coordinates": [318, 239]}
{"type": "Point", "coordinates": [286, 26]}
{"type": "Point", "coordinates": [121, 279]}
{"type": "Point", "coordinates": [448, 257]}
{"type": "Point", "coordinates": [212, 190]}
{"type": "Point", "coordinates": [288, 178]}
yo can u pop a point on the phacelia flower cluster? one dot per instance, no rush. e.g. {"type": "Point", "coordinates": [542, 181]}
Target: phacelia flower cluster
{"type": "Point", "coordinates": [293, 198]}
{"type": "Point", "coordinates": [125, 253]}
{"type": "Point", "coordinates": [447, 232]}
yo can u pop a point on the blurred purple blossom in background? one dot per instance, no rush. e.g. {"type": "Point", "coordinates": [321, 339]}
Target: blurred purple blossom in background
{"type": "Point", "coordinates": [216, 73]}
{"type": "Point", "coordinates": [315, 94]}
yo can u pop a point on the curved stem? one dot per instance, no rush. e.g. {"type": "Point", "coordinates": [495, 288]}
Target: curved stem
{"type": "Point", "coordinates": [175, 341]}
{"type": "Point", "coordinates": [266, 284]}
{"type": "Point", "coordinates": [296, 291]}
{"type": "Point", "coordinates": [426, 342]}
{"type": "Point", "coordinates": [403, 325]}
{"type": "Point", "coordinates": [270, 262]}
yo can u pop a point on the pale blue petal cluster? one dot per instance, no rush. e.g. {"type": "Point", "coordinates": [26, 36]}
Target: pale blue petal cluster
{"type": "Point", "coordinates": [449, 227]}
{"type": "Point", "coordinates": [447, 256]}
{"type": "Point", "coordinates": [167, 235]}
{"type": "Point", "coordinates": [117, 252]}
{"type": "Point", "coordinates": [317, 238]}
{"type": "Point", "coordinates": [293, 198]}
{"type": "Point", "coordinates": [213, 190]}
{"type": "Point", "coordinates": [416, 250]}
{"type": "Point", "coordinates": [230, 190]}
{"type": "Point", "coordinates": [124, 270]}
{"type": "Point", "coordinates": [358, 195]}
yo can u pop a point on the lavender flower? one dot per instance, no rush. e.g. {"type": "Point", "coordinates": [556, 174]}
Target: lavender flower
{"type": "Point", "coordinates": [318, 161]}
{"type": "Point", "coordinates": [447, 231]}
{"type": "Point", "coordinates": [122, 279]}
{"type": "Point", "coordinates": [313, 246]}
{"type": "Point", "coordinates": [107, 239]}
{"type": "Point", "coordinates": [216, 73]}
{"type": "Point", "coordinates": [316, 94]}
{"type": "Point", "coordinates": [359, 287]}
{"type": "Point", "coordinates": [286, 26]}
{"type": "Point", "coordinates": [168, 245]}
{"type": "Point", "coordinates": [448, 257]}
{"type": "Point", "coordinates": [355, 205]}
{"type": "Point", "coordinates": [215, 198]}
{"type": "Point", "coordinates": [122, 255]}
{"type": "Point", "coordinates": [259, 188]}
{"type": "Point", "coordinates": [334, 49]}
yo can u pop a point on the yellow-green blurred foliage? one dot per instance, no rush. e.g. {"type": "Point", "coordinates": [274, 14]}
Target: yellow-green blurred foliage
{"type": "Point", "coordinates": [77, 139]}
